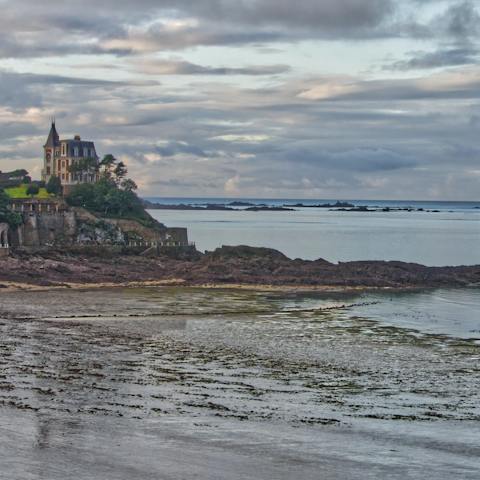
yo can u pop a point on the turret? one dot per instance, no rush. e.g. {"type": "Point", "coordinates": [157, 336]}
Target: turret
{"type": "Point", "coordinates": [53, 139]}
{"type": "Point", "coordinates": [50, 152]}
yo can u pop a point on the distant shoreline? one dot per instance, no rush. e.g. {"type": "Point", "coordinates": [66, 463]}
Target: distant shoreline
{"type": "Point", "coordinates": [250, 205]}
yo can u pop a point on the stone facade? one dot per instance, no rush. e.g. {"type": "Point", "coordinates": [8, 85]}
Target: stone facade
{"type": "Point", "coordinates": [60, 156]}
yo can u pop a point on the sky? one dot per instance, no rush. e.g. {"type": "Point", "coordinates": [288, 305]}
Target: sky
{"type": "Point", "coordinates": [340, 99]}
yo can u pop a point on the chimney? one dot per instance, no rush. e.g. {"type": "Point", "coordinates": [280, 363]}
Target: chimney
{"type": "Point", "coordinates": [77, 137]}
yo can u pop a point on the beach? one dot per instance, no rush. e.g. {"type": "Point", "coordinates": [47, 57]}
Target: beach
{"type": "Point", "coordinates": [201, 383]}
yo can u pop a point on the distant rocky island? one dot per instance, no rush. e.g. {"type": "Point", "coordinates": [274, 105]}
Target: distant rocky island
{"type": "Point", "coordinates": [243, 206]}
{"type": "Point", "coordinates": [250, 207]}
{"type": "Point", "coordinates": [337, 204]}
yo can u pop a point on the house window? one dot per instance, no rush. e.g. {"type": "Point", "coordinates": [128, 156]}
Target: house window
{"type": "Point", "coordinates": [64, 149]}
{"type": "Point", "coordinates": [75, 152]}
{"type": "Point", "coordinates": [48, 170]}
{"type": "Point", "coordinates": [63, 176]}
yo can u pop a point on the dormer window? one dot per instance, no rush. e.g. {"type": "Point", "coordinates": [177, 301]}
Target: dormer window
{"type": "Point", "coordinates": [64, 149]}
{"type": "Point", "coordinates": [75, 151]}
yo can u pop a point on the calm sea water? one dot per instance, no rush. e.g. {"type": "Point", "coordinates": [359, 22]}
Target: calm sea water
{"type": "Point", "coordinates": [450, 236]}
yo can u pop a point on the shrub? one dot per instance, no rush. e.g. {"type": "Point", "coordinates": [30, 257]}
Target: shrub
{"type": "Point", "coordinates": [33, 189]}
{"type": "Point", "coordinates": [54, 186]}
{"type": "Point", "coordinates": [6, 216]}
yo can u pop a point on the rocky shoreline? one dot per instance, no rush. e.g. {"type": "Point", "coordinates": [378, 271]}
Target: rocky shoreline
{"type": "Point", "coordinates": [239, 266]}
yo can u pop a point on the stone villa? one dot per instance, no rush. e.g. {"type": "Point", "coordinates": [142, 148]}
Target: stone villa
{"type": "Point", "coordinates": [60, 155]}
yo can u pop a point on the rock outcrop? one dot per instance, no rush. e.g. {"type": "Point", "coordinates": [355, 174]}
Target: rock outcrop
{"type": "Point", "coordinates": [224, 266]}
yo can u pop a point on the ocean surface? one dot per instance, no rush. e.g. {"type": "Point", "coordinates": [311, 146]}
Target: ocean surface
{"type": "Point", "coordinates": [186, 383]}
{"type": "Point", "coordinates": [444, 233]}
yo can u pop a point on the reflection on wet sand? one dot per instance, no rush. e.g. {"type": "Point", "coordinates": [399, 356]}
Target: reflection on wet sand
{"type": "Point", "coordinates": [198, 362]}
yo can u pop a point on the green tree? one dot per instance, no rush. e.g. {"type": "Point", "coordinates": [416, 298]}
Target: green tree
{"type": "Point", "coordinates": [82, 167]}
{"type": "Point", "coordinates": [107, 166]}
{"type": "Point", "coordinates": [6, 216]}
{"type": "Point", "coordinates": [54, 186]}
{"type": "Point", "coordinates": [120, 172]}
{"type": "Point", "coordinates": [112, 170]}
{"type": "Point", "coordinates": [108, 199]}
{"type": "Point", "coordinates": [33, 189]}
{"type": "Point", "coordinates": [128, 185]}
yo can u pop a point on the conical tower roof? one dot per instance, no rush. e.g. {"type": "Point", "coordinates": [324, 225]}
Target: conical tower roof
{"type": "Point", "coordinates": [53, 139]}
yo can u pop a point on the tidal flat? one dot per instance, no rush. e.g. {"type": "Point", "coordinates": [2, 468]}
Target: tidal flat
{"type": "Point", "coordinates": [187, 383]}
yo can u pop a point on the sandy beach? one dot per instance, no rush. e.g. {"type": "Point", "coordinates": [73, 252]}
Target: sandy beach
{"type": "Point", "coordinates": [127, 382]}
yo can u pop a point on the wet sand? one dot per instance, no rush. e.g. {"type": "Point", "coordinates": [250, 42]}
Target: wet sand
{"type": "Point", "coordinates": [185, 383]}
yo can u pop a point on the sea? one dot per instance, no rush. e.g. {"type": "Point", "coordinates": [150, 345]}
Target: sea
{"type": "Point", "coordinates": [432, 233]}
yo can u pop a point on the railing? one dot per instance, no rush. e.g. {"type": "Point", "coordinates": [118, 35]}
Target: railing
{"type": "Point", "coordinates": [140, 243]}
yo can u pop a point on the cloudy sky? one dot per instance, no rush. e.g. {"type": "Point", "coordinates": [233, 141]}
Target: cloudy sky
{"type": "Point", "coordinates": [261, 98]}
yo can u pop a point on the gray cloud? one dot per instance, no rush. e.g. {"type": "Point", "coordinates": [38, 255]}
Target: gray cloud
{"type": "Point", "coordinates": [32, 29]}
{"type": "Point", "coordinates": [439, 58]}
{"type": "Point", "coordinates": [174, 148]}
{"type": "Point", "coordinates": [464, 85]}
{"type": "Point", "coordinates": [179, 67]}
{"type": "Point", "coordinates": [457, 30]}
{"type": "Point", "coordinates": [461, 21]}
{"type": "Point", "coordinates": [359, 159]}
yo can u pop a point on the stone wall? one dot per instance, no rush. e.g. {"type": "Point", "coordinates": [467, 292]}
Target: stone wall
{"type": "Point", "coordinates": [4, 240]}
{"type": "Point", "coordinates": [55, 224]}
{"type": "Point", "coordinates": [4, 237]}
{"type": "Point", "coordinates": [177, 236]}
{"type": "Point", "coordinates": [46, 229]}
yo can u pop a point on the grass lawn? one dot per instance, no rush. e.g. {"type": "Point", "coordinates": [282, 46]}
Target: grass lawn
{"type": "Point", "coordinates": [21, 192]}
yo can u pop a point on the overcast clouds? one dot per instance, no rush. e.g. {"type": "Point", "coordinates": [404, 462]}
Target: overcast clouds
{"type": "Point", "coordinates": [264, 98]}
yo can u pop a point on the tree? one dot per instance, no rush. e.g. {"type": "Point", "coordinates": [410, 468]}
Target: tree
{"type": "Point", "coordinates": [6, 216]}
{"type": "Point", "coordinates": [120, 172]}
{"type": "Point", "coordinates": [110, 200]}
{"type": "Point", "coordinates": [112, 170]}
{"type": "Point", "coordinates": [33, 189]}
{"type": "Point", "coordinates": [54, 186]}
{"type": "Point", "coordinates": [128, 185]}
{"type": "Point", "coordinates": [20, 172]}
{"type": "Point", "coordinates": [107, 165]}
{"type": "Point", "coordinates": [84, 166]}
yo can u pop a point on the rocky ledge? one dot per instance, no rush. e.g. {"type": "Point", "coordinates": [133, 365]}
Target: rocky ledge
{"type": "Point", "coordinates": [239, 265]}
